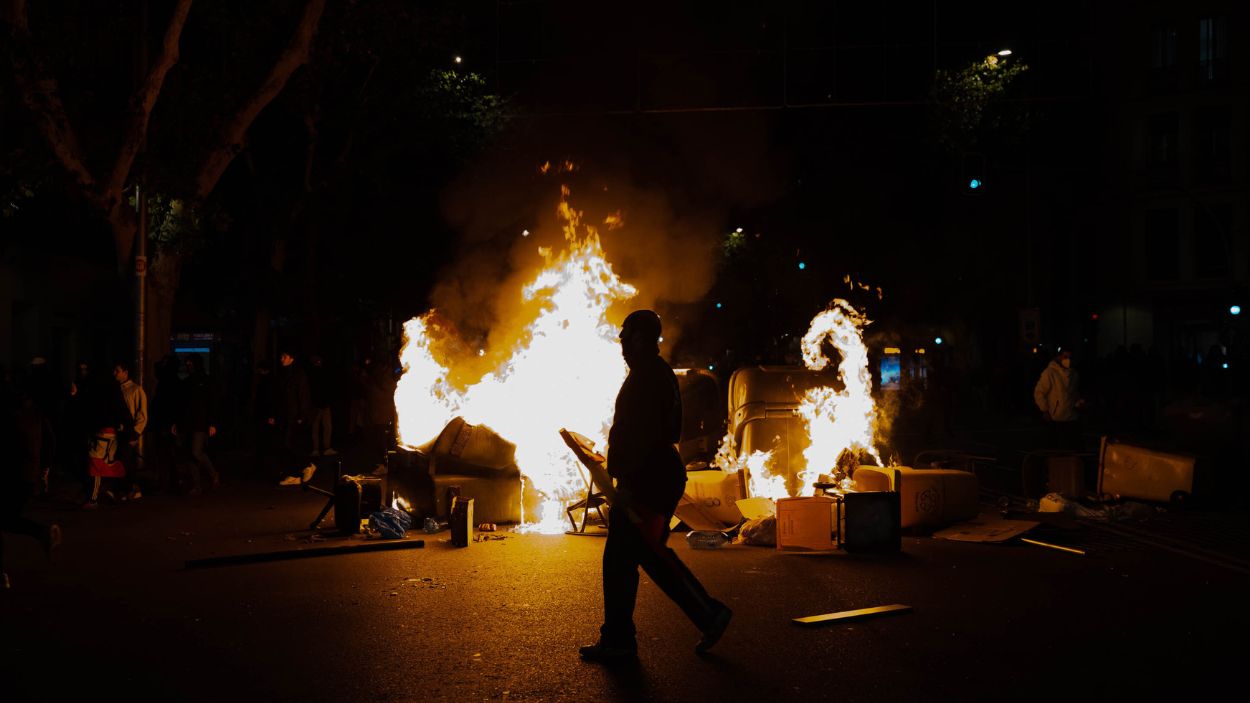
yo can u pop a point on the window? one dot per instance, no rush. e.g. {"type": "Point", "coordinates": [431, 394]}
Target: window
{"type": "Point", "coordinates": [1162, 133]}
{"type": "Point", "coordinates": [1163, 47]}
{"type": "Point", "coordinates": [1162, 244]}
{"type": "Point", "coordinates": [1211, 255]}
{"type": "Point", "coordinates": [1212, 46]}
{"type": "Point", "coordinates": [1163, 57]}
{"type": "Point", "coordinates": [1212, 157]}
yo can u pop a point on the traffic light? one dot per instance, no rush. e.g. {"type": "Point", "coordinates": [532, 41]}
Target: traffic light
{"type": "Point", "coordinates": [973, 173]}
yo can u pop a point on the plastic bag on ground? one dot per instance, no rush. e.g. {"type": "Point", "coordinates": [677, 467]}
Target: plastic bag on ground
{"type": "Point", "coordinates": [390, 523]}
{"type": "Point", "coordinates": [758, 533]}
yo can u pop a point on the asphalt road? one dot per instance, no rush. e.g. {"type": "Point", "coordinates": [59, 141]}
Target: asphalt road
{"type": "Point", "coordinates": [116, 615]}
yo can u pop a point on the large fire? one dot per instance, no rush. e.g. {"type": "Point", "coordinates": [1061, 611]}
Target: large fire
{"type": "Point", "coordinates": [564, 369]}
{"type": "Point", "coordinates": [836, 421]}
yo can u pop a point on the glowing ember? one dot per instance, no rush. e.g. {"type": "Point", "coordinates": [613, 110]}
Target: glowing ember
{"type": "Point", "coordinates": [569, 344]}
{"type": "Point", "coordinates": [835, 421]}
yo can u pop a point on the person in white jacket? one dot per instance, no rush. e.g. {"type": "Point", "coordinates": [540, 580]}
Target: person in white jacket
{"type": "Point", "coordinates": [1057, 395]}
{"type": "Point", "coordinates": [137, 403]}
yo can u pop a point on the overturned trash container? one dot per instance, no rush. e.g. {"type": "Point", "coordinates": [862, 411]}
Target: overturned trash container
{"type": "Point", "coordinates": [482, 464]}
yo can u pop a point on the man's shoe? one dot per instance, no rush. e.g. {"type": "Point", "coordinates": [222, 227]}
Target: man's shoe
{"type": "Point", "coordinates": [714, 631]}
{"type": "Point", "coordinates": [308, 472]}
{"type": "Point", "coordinates": [135, 494]}
{"type": "Point", "coordinates": [331, 452]}
{"type": "Point", "coordinates": [600, 652]}
{"type": "Point", "coordinates": [91, 505]}
{"type": "Point", "coordinates": [290, 481]}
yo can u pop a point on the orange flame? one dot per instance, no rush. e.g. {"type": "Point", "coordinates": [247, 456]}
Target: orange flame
{"type": "Point", "coordinates": [569, 344]}
{"type": "Point", "coordinates": [835, 420]}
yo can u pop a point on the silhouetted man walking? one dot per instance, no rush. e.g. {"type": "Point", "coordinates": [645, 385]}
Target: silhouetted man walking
{"type": "Point", "coordinates": [650, 477]}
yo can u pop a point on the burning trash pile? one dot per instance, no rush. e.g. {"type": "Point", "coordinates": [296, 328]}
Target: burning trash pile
{"type": "Point", "coordinates": [565, 365]}
{"type": "Point", "coordinates": [793, 431]}
{"type": "Point", "coordinates": [837, 431]}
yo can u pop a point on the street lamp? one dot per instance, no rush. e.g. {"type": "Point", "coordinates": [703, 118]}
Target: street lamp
{"type": "Point", "coordinates": [1004, 52]}
{"type": "Point", "coordinates": [1234, 310]}
{"type": "Point", "coordinates": [457, 59]}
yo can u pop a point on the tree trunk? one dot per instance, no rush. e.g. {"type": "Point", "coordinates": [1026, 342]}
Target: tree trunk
{"type": "Point", "coordinates": [163, 278]}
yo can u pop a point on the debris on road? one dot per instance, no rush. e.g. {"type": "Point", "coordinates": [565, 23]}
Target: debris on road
{"type": "Point", "coordinates": [488, 538]}
{"type": "Point", "coordinates": [853, 615]}
{"type": "Point", "coordinates": [237, 559]}
{"type": "Point", "coordinates": [425, 582]}
{"type": "Point", "coordinates": [758, 533]}
{"type": "Point", "coordinates": [1105, 512]}
{"type": "Point", "coordinates": [987, 531]}
{"type": "Point", "coordinates": [1048, 545]}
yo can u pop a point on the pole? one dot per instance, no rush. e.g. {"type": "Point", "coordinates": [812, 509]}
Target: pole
{"type": "Point", "coordinates": [141, 236]}
{"type": "Point", "coordinates": [141, 288]}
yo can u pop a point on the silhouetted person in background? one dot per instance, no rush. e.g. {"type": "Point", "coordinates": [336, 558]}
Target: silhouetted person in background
{"type": "Point", "coordinates": [196, 422]}
{"type": "Point", "coordinates": [650, 477]}
{"type": "Point", "coordinates": [379, 410]}
{"type": "Point", "coordinates": [128, 450]}
{"type": "Point", "coordinates": [27, 443]}
{"type": "Point", "coordinates": [1057, 395]}
{"type": "Point", "coordinates": [320, 394]}
{"type": "Point", "coordinates": [106, 414]}
{"type": "Point", "coordinates": [291, 406]}
{"type": "Point", "coordinates": [159, 447]}
{"type": "Point", "coordinates": [262, 410]}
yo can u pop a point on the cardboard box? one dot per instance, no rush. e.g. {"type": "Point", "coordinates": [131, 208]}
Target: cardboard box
{"type": "Point", "coordinates": [807, 524]}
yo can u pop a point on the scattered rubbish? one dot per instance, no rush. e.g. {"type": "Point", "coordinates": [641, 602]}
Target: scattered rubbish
{"type": "Point", "coordinates": [461, 522]}
{"type": "Point", "coordinates": [929, 498]}
{"type": "Point", "coordinates": [989, 531]}
{"type": "Point", "coordinates": [1048, 545]}
{"type": "Point", "coordinates": [806, 524]}
{"type": "Point", "coordinates": [761, 532]}
{"type": "Point", "coordinates": [487, 527]}
{"type": "Point", "coordinates": [695, 515]}
{"type": "Point", "coordinates": [433, 526]}
{"type": "Point", "coordinates": [756, 508]}
{"type": "Point", "coordinates": [716, 492]}
{"type": "Point", "coordinates": [425, 582]}
{"type": "Point", "coordinates": [314, 538]}
{"type": "Point", "coordinates": [488, 538]}
{"type": "Point", "coordinates": [291, 537]}
{"type": "Point", "coordinates": [706, 539]}
{"type": "Point", "coordinates": [853, 615]}
{"type": "Point", "coordinates": [1138, 472]}
{"type": "Point", "coordinates": [237, 559]}
{"type": "Point", "coordinates": [391, 523]}
{"type": "Point", "coordinates": [1107, 512]}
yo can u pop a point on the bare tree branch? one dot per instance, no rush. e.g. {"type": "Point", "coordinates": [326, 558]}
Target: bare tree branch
{"type": "Point", "coordinates": [144, 99]}
{"type": "Point", "coordinates": [15, 13]}
{"type": "Point", "coordinates": [230, 142]}
{"type": "Point", "coordinates": [39, 93]}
